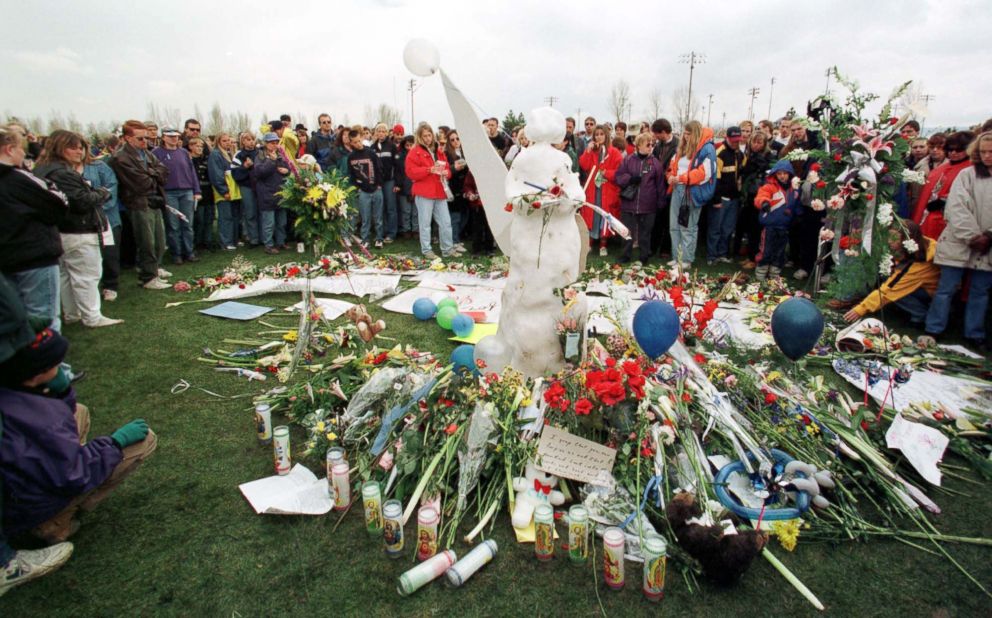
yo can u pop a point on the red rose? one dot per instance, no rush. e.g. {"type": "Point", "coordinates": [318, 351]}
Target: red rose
{"type": "Point", "coordinates": [536, 205]}
{"type": "Point", "coordinates": [612, 375]}
{"type": "Point", "coordinates": [893, 120]}
{"type": "Point", "coordinates": [869, 196]}
{"type": "Point", "coordinates": [770, 398]}
{"type": "Point", "coordinates": [837, 157]}
{"type": "Point", "coordinates": [806, 419]}
{"type": "Point", "coordinates": [293, 271]}
{"type": "Point", "coordinates": [593, 378]}
{"type": "Point", "coordinates": [450, 429]}
{"type": "Point", "coordinates": [611, 362]}
{"type": "Point", "coordinates": [636, 384]}
{"type": "Point", "coordinates": [821, 184]}
{"type": "Point", "coordinates": [610, 393]}
{"type": "Point", "coordinates": [686, 397]}
{"type": "Point", "coordinates": [699, 358]}
{"type": "Point", "coordinates": [241, 286]}
{"type": "Point", "coordinates": [815, 167]}
{"type": "Point", "coordinates": [834, 139]}
{"type": "Point", "coordinates": [631, 368]}
{"type": "Point", "coordinates": [555, 190]}
{"type": "Point", "coordinates": [845, 242]}
{"type": "Point", "coordinates": [583, 406]}
{"type": "Point", "coordinates": [508, 207]}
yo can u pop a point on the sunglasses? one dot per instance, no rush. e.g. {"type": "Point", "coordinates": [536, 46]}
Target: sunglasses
{"type": "Point", "coordinates": [953, 149]}
{"type": "Point", "coordinates": [140, 139]}
{"type": "Point", "coordinates": [193, 129]}
{"type": "Point", "coordinates": [325, 122]}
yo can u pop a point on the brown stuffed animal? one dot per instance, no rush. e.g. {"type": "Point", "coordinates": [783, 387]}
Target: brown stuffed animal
{"type": "Point", "coordinates": [367, 329]}
{"type": "Point", "coordinates": [724, 557]}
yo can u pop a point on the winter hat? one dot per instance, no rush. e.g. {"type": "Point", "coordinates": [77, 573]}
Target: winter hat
{"type": "Point", "coordinates": [270, 137]}
{"type": "Point", "coordinates": [398, 129]}
{"type": "Point", "coordinates": [275, 125]}
{"type": "Point", "coordinates": [45, 351]}
{"type": "Point", "coordinates": [782, 166]}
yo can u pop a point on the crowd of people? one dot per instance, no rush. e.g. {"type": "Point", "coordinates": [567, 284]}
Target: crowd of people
{"type": "Point", "coordinates": [78, 216]}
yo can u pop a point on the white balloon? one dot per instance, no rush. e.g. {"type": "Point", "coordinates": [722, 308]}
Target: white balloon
{"type": "Point", "coordinates": [493, 353]}
{"type": "Point", "coordinates": [421, 57]}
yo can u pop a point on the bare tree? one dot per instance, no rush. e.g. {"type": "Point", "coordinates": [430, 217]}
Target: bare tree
{"type": "Point", "coordinates": [619, 101]}
{"type": "Point", "coordinates": [56, 121]}
{"type": "Point", "coordinates": [681, 113]}
{"type": "Point", "coordinates": [171, 117]}
{"type": "Point", "coordinates": [655, 105]}
{"type": "Point", "coordinates": [215, 120]}
{"type": "Point", "coordinates": [238, 121]}
{"type": "Point", "coordinates": [383, 113]}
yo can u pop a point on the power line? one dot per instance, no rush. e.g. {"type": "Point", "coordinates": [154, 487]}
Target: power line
{"type": "Point", "coordinates": [551, 100]}
{"type": "Point", "coordinates": [709, 110]}
{"type": "Point", "coordinates": [754, 94]}
{"type": "Point", "coordinates": [926, 98]}
{"type": "Point", "coordinates": [770, 92]}
{"type": "Point", "coordinates": [692, 59]}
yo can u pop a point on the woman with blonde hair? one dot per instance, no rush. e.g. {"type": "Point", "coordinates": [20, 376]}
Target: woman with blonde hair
{"type": "Point", "coordinates": [427, 166]}
{"type": "Point", "coordinates": [600, 160]}
{"type": "Point", "coordinates": [81, 264]}
{"type": "Point", "coordinates": [227, 194]}
{"type": "Point", "coordinates": [691, 183]}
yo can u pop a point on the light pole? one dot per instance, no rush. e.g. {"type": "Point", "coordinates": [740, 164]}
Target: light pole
{"type": "Point", "coordinates": [709, 110]}
{"type": "Point", "coordinates": [926, 98]}
{"type": "Point", "coordinates": [692, 59]}
{"type": "Point", "coordinates": [754, 94]}
{"type": "Point", "coordinates": [771, 91]}
{"type": "Point", "coordinates": [551, 100]}
{"type": "Point", "coordinates": [412, 87]}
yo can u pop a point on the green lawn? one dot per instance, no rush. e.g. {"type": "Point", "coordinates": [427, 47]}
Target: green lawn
{"type": "Point", "coordinates": [179, 539]}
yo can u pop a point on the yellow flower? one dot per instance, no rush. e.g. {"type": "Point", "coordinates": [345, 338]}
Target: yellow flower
{"type": "Point", "coordinates": [526, 402]}
{"type": "Point", "coordinates": [331, 435]}
{"type": "Point", "coordinates": [335, 196]}
{"type": "Point", "coordinates": [787, 531]}
{"type": "Point", "coordinates": [320, 426]}
{"type": "Point", "coordinates": [290, 336]}
{"type": "Point", "coordinates": [313, 195]}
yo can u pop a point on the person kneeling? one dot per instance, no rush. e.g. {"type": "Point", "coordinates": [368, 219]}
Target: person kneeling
{"type": "Point", "coordinates": [48, 469]}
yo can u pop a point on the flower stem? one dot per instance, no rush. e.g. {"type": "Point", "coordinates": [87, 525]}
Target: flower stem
{"type": "Point", "coordinates": [792, 579]}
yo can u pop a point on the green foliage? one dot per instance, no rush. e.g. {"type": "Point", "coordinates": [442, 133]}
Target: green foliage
{"type": "Point", "coordinates": [512, 121]}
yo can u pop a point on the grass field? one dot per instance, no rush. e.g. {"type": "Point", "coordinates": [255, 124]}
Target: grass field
{"type": "Point", "coordinates": [178, 538]}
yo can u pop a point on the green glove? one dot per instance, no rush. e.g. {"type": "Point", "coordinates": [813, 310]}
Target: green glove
{"type": "Point", "coordinates": [60, 383]}
{"type": "Point", "coordinates": [129, 434]}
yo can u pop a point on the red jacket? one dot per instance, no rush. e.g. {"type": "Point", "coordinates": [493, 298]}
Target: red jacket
{"type": "Point", "coordinates": [418, 169]}
{"type": "Point", "coordinates": [610, 190]}
{"type": "Point", "coordinates": [938, 185]}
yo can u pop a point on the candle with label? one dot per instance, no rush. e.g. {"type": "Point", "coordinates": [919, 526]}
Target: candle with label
{"type": "Point", "coordinates": [544, 532]}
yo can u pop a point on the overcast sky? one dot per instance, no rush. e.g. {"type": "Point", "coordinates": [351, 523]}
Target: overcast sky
{"type": "Point", "coordinates": [105, 60]}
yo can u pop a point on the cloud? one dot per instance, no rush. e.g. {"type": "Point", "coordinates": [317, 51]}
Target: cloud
{"type": "Point", "coordinates": [58, 59]}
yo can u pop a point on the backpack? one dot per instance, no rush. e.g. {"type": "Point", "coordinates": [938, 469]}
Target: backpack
{"type": "Point", "coordinates": [702, 193]}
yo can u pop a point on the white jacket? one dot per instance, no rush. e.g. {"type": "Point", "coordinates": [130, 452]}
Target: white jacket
{"type": "Point", "coordinates": [968, 213]}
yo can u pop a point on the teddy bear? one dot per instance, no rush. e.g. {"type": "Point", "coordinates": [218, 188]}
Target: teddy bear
{"type": "Point", "coordinates": [724, 557]}
{"type": "Point", "coordinates": [533, 488]}
{"type": "Point", "coordinates": [367, 329]}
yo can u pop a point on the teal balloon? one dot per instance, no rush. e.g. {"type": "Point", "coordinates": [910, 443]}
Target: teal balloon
{"type": "Point", "coordinates": [462, 325]}
{"type": "Point", "coordinates": [463, 359]}
{"type": "Point", "coordinates": [656, 327]}
{"type": "Point", "coordinates": [447, 302]}
{"type": "Point", "coordinates": [445, 315]}
{"type": "Point", "coordinates": [424, 308]}
{"type": "Point", "coordinates": [796, 327]}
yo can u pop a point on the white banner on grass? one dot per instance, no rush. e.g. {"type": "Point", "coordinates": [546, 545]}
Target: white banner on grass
{"type": "Point", "coordinates": [470, 298]}
{"type": "Point", "coordinates": [377, 285]}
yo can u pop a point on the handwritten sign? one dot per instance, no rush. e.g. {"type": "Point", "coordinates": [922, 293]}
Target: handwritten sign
{"type": "Point", "coordinates": [562, 454]}
{"type": "Point", "coordinates": [923, 446]}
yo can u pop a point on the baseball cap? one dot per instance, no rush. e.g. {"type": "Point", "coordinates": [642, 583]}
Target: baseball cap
{"type": "Point", "coordinates": [734, 131]}
{"type": "Point", "coordinates": [398, 129]}
{"type": "Point", "coordinates": [270, 137]}
{"type": "Point", "coordinates": [170, 131]}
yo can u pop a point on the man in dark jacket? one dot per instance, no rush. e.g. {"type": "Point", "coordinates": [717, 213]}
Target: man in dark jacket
{"type": "Point", "coordinates": [271, 169]}
{"type": "Point", "coordinates": [365, 172]}
{"type": "Point", "coordinates": [730, 162]}
{"type": "Point", "coordinates": [664, 149]}
{"type": "Point", "coordinates": [321, 143]}
{"type": "Point", "coordinates": [141, 177]}
{"type": "Point", "coordinates": [385, 149]}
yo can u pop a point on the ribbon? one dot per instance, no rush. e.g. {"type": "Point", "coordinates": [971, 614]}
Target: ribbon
{"type": "Point", "coordinates": [395, 414]}
{"type": "Point", "coordinates": [654, 484]}
{"type": "Point", "coordinates": [541, 488]}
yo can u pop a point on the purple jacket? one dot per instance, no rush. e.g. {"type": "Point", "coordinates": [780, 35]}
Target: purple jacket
{"type": "Point", "coordinates": [182, 174]}
{"type": "Point", "coordinates": [651, 195]}
{"type": "Point", "coordinates": [42, 465]}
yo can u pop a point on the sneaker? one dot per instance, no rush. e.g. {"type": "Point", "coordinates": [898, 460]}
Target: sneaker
{"type": "Point", "coordinates": [193, 258]}
{"type": "Point", "coordinates": [603, 252]}
{"type": "Point", "coordinates": [110, 295]}
{"type": "Point", "coordinates": [241, 244]}
{"type": "Point", "coordinates": [71, 320]}
{"type": "Point", "coordinates": [105, 321]}
{"type": "Point", "coordinates": [454, 253]}
{"type": "Point", "coordinates": [430, 255]}
{"type": "Point", "coordinates": [156, 284]}
{"type": "Point", "coordinates": [774, 271]}
{"type": "Point", "coordinates": [163, 273]}
{"type": "Point", "coordinates": [272, 251]}
{"type": "Point", "coordinates": [789, 264]}
{"type": "Point", "coordinates": [459, 246]}
{"type": "Point", "coordinates": [761, 273]}
{"type": "Point", "coordinates": [28, 564]}
{"type": "Point", "coordinates": [388, 240]}
{"type": "Point", "coordinates": [230, 248]}
{"type": "Point", "coordinates": [724, 260]}
{"type": "Point", "coordinates": [378, 244]}
{"type": "Point", "coordinates": [800, 274]}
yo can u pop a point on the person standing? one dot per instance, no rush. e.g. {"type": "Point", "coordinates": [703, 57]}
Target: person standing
{"type": "Point", "coordinates": [929, 211]}
{"type": "Point", "coordinates": [664, 149]}
{"type": "Point", "coordinates": [427, 167]}
{"type": "Point", "coordinates": [642, 179]}
{"type": "Point", "coordinates": [365, 172]}
{"type": "Point", "coordinates": [600, 160]}
{"type": "Point", "coordinates": [691, 180]}
{"type": "Point", "coordinates": [407, 226]}
{"type": "Point", "coordinates": [271, 168]}
{"type": "Point", "coordinates": [756, 166]}
{"type": "Point", "coordinates": [730, 161]}
{"type": "Point", "coordinates": [80, 265]}
{"type": "Point", "coordinates": [227, 197]}
{"type": "Point", "coordinates": [206, 213]}
{"type": "Point", "coordinates": [98, 174]}
{"type": "Point", "coordinates": [182, 191]}
{"type": "Point", "coordinates": [384, 148]}
{"type": "Point", "coordinates": [241, 170]}
{"type": "Point", "coordinates": [321, 143]}
{"type": "Point", "coordinates": [776, 202]}
{"type": "Point", "coordinates": [964, 245]}
{"type": "Point", "coordinates": [140, 177]}
{"type": "Point", "coordinates": [458, 207]}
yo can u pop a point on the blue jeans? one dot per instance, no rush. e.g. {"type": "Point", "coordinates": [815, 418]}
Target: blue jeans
{"type": "Point", "coordinates": [203, 224]}
{"type": "Point", "coordinates": [773, 250]}
{"type": "Point", "coordinates": [390, 215]}
{"type": "Point", "coordinates": [178, 233]}
{"type": "Point", "coordinates": [722, 223]}
{"type": "Point", "coordinates": [273, 227]}
{"type": "Point", "coordinates": [39, 291]}
{"type": "Point", "coordinates": [916, 305]}
{"type": "Point", "coordinates": [249, 212]}
{"type": "Point", "coordinates": [408, 214]}
{"type": "Point", "coordinates": [225, 224]}
{"type": "Point", "coordinates": [369, 209]}
{"type": "Point", "coordinates": [683, 238]}
{"type": "Point", "coordinates": [974, 311]}
{"type": "Point", "coordinates": [438, 209]}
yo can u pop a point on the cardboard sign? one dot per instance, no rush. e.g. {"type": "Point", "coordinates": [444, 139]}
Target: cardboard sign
{"type": "Point", "coordinates": [562, 454]}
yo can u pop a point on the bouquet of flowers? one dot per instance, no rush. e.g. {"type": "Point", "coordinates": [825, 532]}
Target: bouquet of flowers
{"type": "Point", "coordinates": [323, 203]}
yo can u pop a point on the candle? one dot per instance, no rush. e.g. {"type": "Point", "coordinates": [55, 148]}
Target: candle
{"type": "Point", "coordinates": [654, 549]}
{"type": "Point", "coordinates": [425, 572]}
{"type": "Point", "coordinates": [280, 449]}
{"type": "Point", "coordinates": [544, 532]}
{"type": "Point", "coordinates": [335, 455]}
{"type": "Point", "coordinates": [372, 500]}
{"type": "Point", "coordinates": [578, 533]}
{"type": "Point", "coordinates": [459, 573]}
{"type": "Point", "coordinates": [427, 520]}
{"type": "Point", "coordinates": [613, 545]}
{"type": "Point", "coordinates": [342, 486]}
{"type": "Point", "coordinates": [263, 423]}
{"type": "Point", "coordinates": [392, 515]}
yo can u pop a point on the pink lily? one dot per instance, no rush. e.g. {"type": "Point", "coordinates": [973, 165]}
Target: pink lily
{"type": "Point", "coordinates": [863, 132]}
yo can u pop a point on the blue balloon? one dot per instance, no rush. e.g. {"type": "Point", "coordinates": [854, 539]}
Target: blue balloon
{"type": "Point", "coordinates": [796, 327]}
{"type": "Point", "coordinates": [656, 327]}
{"type": "Point", "coordinates": [424, 308]}
{"type": "Point", "coordinates": [462, 325]}
{"type": "Point", "coordinates": [463, 359]}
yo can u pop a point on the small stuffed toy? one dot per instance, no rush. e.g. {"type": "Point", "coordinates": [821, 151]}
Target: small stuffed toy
{"type": "Point", "coordinates": [367, 329]}
{"type": "Point", "coordinates": [533, 488]}
{"type": "Point", "coordinates": [724, 557]}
